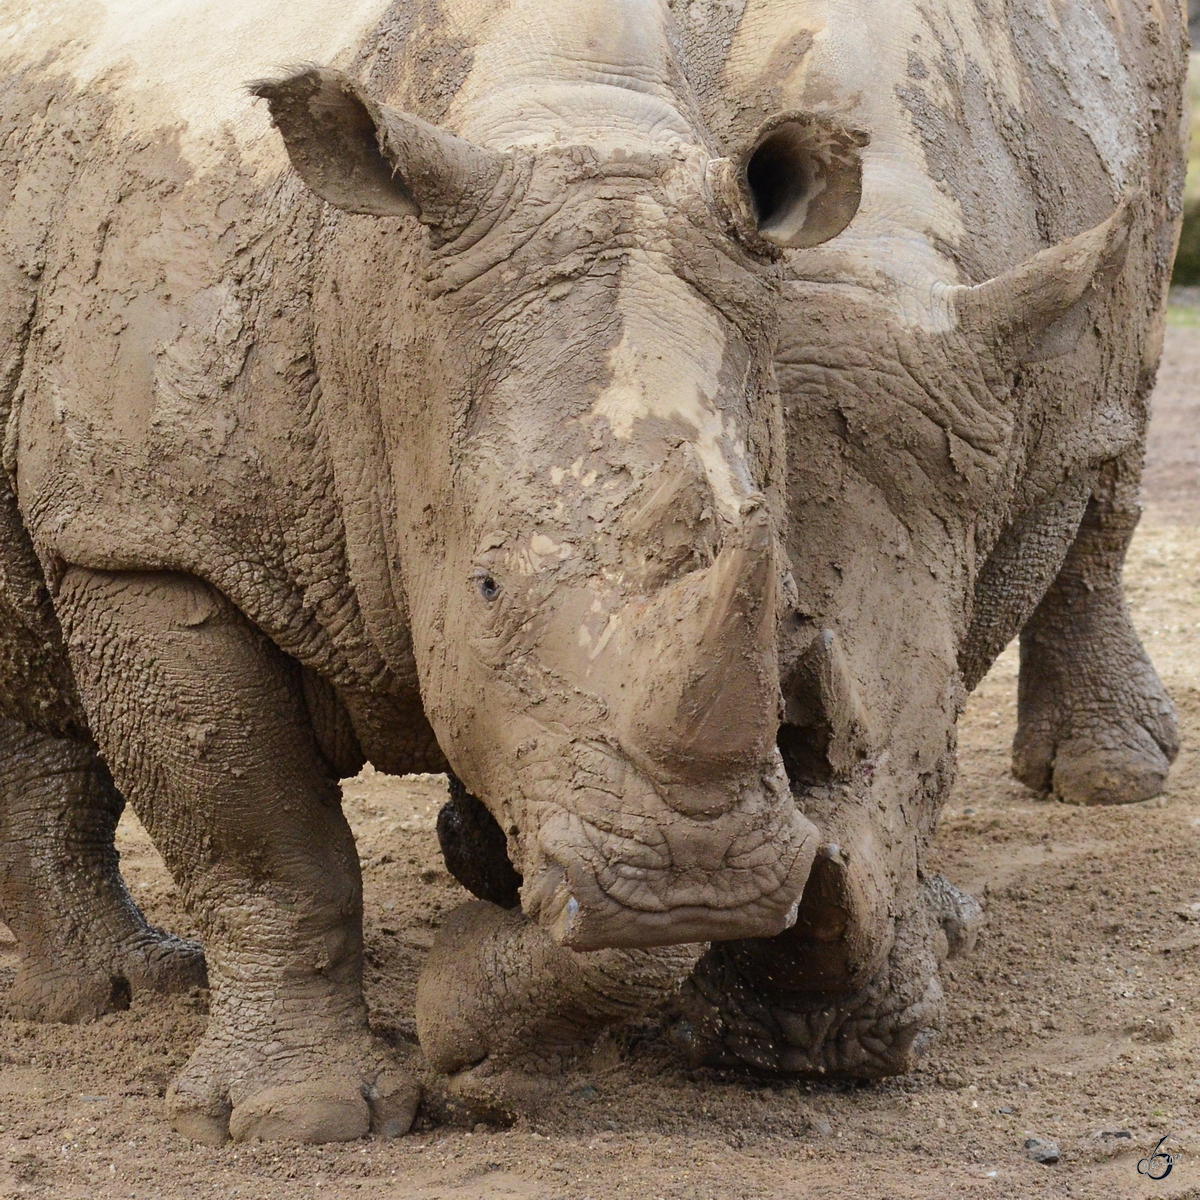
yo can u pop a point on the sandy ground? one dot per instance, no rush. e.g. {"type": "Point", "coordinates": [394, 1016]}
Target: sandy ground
{"type": "Point", "coordinates": [1073, 1022]}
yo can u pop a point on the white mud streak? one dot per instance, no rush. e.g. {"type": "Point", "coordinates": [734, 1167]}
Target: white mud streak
{"type": "Point", "coordinates": [165, 76]}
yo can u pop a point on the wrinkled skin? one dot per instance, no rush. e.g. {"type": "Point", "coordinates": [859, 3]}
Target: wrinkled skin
{"type": "Point", "coordinates": [643, 413]}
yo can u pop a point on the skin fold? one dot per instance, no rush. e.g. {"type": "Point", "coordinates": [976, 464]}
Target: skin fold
{"type": "Point", "coordinates": [639, 410]}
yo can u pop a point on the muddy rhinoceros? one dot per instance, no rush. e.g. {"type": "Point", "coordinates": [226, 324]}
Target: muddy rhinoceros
{"type": "Point", "coordinates": [658, 414]}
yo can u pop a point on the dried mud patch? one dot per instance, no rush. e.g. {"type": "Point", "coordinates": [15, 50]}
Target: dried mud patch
{"type": "Point", "coordinates": [1074, 1021]}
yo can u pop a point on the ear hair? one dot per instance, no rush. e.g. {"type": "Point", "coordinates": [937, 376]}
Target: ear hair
{"type": "Point", "coordinates": [333, 141]}
{"type": "Point", "coordinates": [367, 157]}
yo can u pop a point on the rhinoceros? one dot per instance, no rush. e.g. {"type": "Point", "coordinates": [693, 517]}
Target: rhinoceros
{"type": "Point", "coordinates": [656, 413]}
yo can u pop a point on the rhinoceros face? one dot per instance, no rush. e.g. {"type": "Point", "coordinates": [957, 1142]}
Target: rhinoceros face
{"type": "Point", "coordinates": [607, 678]}
{"type": "Point", "coordinates": [594, 586]}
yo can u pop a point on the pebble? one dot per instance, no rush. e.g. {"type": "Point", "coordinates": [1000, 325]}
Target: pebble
{"type": "Point", "coordinates": [822, 1126]}
{"type": "Point", "coordinates": [1041, 1152]}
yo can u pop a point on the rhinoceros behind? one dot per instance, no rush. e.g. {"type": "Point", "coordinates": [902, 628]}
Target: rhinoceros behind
{"type": "Point", "coordinates": [660, 415]}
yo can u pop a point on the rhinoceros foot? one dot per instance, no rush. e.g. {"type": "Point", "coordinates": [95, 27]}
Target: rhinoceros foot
{"type": "Point", "coordinates": [85, 981]}
{"type": "Point", "coordinates": [1120, 763]}
{"type": "Point", "coordinates": [492, 1093]}
{"type": "Point", "coordinates": [85, 947]}
{"type": "Point", "coordinates": [1095, 724]}
{"type": "Point", "coordinates": [304, 1081]}
{"type": "Point", "coordinates": [504, 1010]}
{"type": "Point", "coordinates": [729, 1016]}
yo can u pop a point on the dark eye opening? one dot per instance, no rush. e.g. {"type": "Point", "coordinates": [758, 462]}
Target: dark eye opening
{"type": "Point", "coordinates": [489, 589]}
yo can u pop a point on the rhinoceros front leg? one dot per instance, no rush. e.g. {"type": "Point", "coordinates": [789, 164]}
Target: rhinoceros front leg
{"type": "Point", "coordinates": [504, 1010]}
{"type": "Point", "coordinates": [1094, 723]}
{"type": "Point", "coordinates": [204, 724]}
{"type": "Point", "coordinates": [84, 946]}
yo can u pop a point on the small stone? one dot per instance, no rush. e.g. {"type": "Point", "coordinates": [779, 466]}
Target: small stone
{"type": "Point", "coordinates": [822, 1126]}
{"type": "Point", "coordinates": [1005, 1110]}
{"type": "Point", "coordinates": [1041, 1152]}
{"type": "Point", "coordinates": [586, 1092]}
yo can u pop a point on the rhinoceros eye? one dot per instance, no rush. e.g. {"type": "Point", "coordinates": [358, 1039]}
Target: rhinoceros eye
{"type": "Point", "coordinates": [489, 589]}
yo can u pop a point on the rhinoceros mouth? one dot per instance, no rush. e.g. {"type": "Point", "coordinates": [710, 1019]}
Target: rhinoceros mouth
{"type": "Point", "coordinates": [597, 922]}
{"type": "Point", "coordinates": [649, 875]}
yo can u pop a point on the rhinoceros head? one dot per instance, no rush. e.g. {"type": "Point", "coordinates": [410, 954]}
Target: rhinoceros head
{"type": "Point", "coordinates": [591, 489]}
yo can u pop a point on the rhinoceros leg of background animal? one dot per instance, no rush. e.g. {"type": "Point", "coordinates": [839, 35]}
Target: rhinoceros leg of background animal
{"type": "Point", "coordinates": [504, 1009]}
{"type": "Point", "coordinates": [1095, 725]}
{"type": "Point", "coordinates": [811, 1002]}
{"type": "Point", "coordinates": [205, 725]}
{"type": "Point", "coordinates": [84, 946]}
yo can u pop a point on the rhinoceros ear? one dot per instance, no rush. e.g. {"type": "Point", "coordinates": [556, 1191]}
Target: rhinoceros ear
{"type": "Point", "coordinates": [1039, 309]}
{"type": "Point", "coordinates": [367, 157]}
{"type": "Point", "coordinates": [799, 185]}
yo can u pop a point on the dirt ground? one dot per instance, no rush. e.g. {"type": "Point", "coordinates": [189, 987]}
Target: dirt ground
{"type": "Point", "coordinates": [1073, 1022]}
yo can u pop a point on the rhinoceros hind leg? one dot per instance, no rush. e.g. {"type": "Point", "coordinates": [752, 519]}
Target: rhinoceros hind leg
{"type": "Point", "coordinates": [505, 1011]}
{"type": "Point", "coordinates": [1095, 724]}
{"type": "Point", "coordinates": [84, 946]}
{"type": "Point", "coordinates": [733, 1013]}
{"type": "Point", "coordinates": [205, 725]}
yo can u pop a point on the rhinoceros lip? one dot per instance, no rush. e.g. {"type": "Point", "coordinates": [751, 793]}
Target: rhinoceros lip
{"type": "Point", "coordinates": [579, 926]}
{"type": "Point", "coordinates": [608, 863]}
{"type": "Point", "coordinates": [570, 905]}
